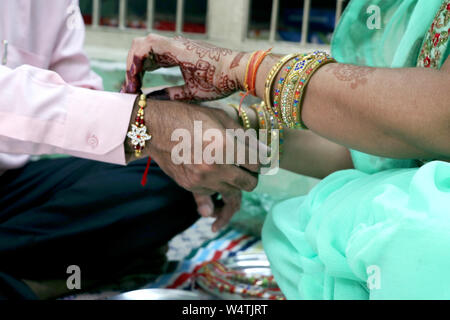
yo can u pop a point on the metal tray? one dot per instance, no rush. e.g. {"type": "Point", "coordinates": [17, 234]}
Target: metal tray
{"type": "Point", "coordinates": [249, 264]}
{"type": "Point", "coordinates": [161, 294]}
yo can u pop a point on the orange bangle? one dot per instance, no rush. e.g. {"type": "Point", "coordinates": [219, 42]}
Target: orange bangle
{"type": "Point", "coordinates": [255, 61]}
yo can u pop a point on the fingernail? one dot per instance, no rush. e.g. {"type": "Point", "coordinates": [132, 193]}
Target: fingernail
{"type": "Point", "coordinates": [205, 210]}
{"type": "Point", "coordinates": [159, 95]}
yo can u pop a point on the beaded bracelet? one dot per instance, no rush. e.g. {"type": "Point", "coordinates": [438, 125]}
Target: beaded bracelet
{"type": "Point", "coordinates": [138, 133]}
{"type": "Point", "coordinates": [269, 83]}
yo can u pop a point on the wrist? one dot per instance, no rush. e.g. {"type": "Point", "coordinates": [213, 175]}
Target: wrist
{"type": "Point", "coordinates": [139, 132]}
{"type": "Point", "coordinates": [263, 72]}
{"type": "Point", "coordinates": [241, 68]}
{"type": "Point", "coordinates": [129, 148]}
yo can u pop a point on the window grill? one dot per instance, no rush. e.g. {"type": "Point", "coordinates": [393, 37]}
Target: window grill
{"type": "Point", "coordinates": [237, 12]}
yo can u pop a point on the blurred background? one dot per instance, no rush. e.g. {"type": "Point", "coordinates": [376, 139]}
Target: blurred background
{"type": "Point", "coordinates": [286, 25]}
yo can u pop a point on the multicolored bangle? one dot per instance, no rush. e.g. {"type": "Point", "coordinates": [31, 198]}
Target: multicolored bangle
{"type": "Point", "coordinates": [289, 101]}
{"type": "Point", "coordinates": [270, 80]}
{"type": "Point", "coordinates": [138, 133]}
{"type": "Point", "coordinates": [278, 88]}
{"type": "Point", "coordinates": [262, 119]}
{"type": "Point", "coordinates": [288, 94]}
{"type": "Point", "coordinates": [319, 62]}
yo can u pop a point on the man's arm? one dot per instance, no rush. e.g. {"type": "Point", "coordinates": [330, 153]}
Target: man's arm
{"type": "Point", "coordinates": [41, 114]}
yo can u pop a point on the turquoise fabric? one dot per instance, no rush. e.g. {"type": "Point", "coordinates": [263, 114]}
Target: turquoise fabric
{"type": "Point", "coordinates": [381, 231]}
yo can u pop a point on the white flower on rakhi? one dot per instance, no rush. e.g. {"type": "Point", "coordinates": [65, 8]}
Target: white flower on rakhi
{"type": "Point", "coordinates": [138, 135]}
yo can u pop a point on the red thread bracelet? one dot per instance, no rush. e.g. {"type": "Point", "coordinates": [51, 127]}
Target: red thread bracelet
{"type": "Point", "coordinates": [255, 61]}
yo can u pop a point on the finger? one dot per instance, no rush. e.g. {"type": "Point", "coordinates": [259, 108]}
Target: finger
{"type": "Point", "coordinates": [181, 93]}
{"type": "Point", "coordinates": [133, 77]}
{"type": "Point", "coordinates": [232, 204]}
{"type": "Point", "coordinates": [241, 179]}
{"type": "Point", "coordinates": [205, 205]}
{"type": "Point", "coordinates": [143, 55]}
{"type": "Point", "coordinates": [225, 188]}
{"type": "Point", "coordinates": [159, 95]}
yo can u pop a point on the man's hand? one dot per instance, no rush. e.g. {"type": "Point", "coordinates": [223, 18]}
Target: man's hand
{"type": "Point", "coordinates": [209, 72]}
{"type": "Point", "coordinates": [163, 118]}
{"type": "Point", "coordinates": [203, 179]}
{"type": "Point", "coordinates": [223, 214]}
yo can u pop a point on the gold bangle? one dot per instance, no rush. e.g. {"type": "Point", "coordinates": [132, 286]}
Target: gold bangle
{"type": "Point", "coordinates": [269, 82]}
{"type": "Point", "coordinates": [285, 87]}
{"type": "Point", "coordinates": [300, 88]}
{"type": "Point", "coordinates": [275, 129]}
{"type": "Point", "coordinates": [243, 116]}
{"type": "Point", "coordinates": [262, 119]}
{"type": "Point", "coordinates": [288, 93]}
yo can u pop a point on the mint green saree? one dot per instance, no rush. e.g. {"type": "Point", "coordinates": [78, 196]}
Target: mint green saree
{"type": "Point", "coordinates": [382, 230]}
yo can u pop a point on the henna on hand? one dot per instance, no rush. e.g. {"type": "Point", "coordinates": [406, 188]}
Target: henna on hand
{"type": "Point", "coordinates": [237, 59]}
{"type": "Point", "coordinates": [202, 48]}
{"type": "Point", "coordinates": [205, 67]}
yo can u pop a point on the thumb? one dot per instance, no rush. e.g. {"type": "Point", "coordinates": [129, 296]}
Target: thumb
{"type": "Point", "coordinates": [205, 205]}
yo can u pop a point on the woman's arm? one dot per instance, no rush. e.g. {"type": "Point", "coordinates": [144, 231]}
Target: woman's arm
{"type": "Point", "coordinates": [398, 113]}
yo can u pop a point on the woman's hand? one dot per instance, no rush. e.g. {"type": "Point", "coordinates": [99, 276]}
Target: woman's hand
{"type": "Point", "coordinates": [209, 72]}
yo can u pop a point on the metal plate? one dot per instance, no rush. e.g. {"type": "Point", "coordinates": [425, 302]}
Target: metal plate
{"type": "Point", "coordinates": [161, 294]}
{"type": "Point", "coordinates": [250, 264]}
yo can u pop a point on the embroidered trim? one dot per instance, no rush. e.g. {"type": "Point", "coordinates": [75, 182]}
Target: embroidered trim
{"type": "Point", "coordinates": [436, 39]}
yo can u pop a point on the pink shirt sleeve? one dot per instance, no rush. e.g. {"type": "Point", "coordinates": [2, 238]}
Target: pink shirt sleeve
{"type": "Point", "coordinates": [55, 111]}
{"type": "Point", "coordinates": [40, 113]}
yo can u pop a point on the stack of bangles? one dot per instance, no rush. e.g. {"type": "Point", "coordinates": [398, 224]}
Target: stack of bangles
{"type": "Point", "coordinates": [295, 72]}
{"type": "Point", "coordinates": [282, 105]}
{"type": "Point", "coordinates": [269, 124]}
